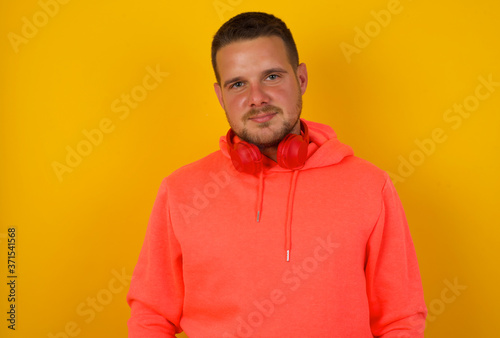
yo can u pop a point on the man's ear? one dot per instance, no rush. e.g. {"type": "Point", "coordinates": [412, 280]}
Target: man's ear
{"type": "Point", "coordinates": [218, 92]}
{"type": "Point", "coordinates": [302, 77]}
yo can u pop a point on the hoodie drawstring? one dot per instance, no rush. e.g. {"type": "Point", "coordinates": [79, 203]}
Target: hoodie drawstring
{"type": "Point", "coordinates": [289, 211]}
{"type": "Point", "coordinates": [260, 193]}
{"type": "Point", "coordinates": [289, 208]}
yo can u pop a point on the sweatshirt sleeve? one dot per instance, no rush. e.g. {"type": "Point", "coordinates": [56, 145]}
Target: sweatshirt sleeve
{"type": "Point", "coordinates": [156, 291]}
{"type": "Point", "coordinates": [394, 287]}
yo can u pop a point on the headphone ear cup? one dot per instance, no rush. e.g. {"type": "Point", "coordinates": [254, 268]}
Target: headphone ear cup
{"type": "Point", "coordinates": [246, 158]}
{"type": "Point", "coordinates": [292, 150]}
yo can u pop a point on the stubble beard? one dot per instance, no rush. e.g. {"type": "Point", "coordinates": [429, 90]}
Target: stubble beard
{"type": "Point", "coordinates": [261, 140]}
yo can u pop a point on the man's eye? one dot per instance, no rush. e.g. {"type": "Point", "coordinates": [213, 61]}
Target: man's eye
{"type": "Point", "coordinates": [273, 76]}
{"type": "Point", "coordinates": [236, 84]}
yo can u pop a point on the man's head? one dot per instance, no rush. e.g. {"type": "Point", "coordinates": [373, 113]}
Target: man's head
{"type": "Point", "coordinates": [259, 81]}
{"type": "Point", "coordinates": [252, 25]}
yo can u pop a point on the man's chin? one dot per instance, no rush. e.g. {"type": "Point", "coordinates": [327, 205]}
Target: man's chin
{"type": "Point", "coordinates": [261, 140]}
{"type": "Point", "coordinates": [266, 134]}
{"type": "Point", "coordinates": [263, 125]}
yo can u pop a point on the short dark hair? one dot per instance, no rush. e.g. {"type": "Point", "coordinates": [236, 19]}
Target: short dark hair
{"type": "Point", "coordinates": [252, 25]}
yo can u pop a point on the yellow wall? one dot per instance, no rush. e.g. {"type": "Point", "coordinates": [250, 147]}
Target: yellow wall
{"type": "Point", "coordinates": [389, 94]}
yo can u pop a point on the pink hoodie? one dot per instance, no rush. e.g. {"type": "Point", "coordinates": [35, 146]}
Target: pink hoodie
{"type": "Point", "coordinates": [324, 251]}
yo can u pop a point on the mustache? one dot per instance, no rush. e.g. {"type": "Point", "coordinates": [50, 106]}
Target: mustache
{"type": "Point", "coordinates": [267, 109]}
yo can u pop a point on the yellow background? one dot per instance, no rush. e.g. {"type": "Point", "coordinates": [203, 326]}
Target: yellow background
{"type": "Point", "coordinates": [78, 231]}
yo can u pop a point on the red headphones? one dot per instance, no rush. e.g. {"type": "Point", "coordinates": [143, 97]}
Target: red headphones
{"type": "Point", "coordinates": [292, 152]}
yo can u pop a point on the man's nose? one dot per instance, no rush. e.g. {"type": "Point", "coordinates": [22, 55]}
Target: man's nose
{"type": "Point", "coordinates": [258, 96]}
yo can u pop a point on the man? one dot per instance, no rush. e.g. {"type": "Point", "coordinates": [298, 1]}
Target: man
{"type": "Point", "coordinates": [282, 232]}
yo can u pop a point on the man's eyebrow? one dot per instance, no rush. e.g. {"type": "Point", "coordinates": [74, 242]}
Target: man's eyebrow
{"type": "Point", "coordinates": [275, 70]}
{"type": "Point", "coordinates": [234, 79]}
{"type": "Point", "coordinates": [267, 71]}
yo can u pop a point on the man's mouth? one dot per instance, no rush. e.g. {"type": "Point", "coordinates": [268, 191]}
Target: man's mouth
{"type": "Point", "coordinates": [261, 118]}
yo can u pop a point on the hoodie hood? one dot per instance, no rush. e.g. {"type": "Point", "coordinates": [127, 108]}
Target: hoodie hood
{"type": "Point", "coordinates": [324, 150]}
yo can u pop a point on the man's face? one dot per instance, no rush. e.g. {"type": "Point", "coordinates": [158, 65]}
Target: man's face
{"type": "Point", "coordinates": [259, 90]}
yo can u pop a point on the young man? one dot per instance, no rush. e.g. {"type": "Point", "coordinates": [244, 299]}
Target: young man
{"type": "Point", "coordinates": [283, 232]}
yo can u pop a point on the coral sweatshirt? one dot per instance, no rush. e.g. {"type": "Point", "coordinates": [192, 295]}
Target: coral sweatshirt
{"type": "Point", "coordinates": [330, 255]}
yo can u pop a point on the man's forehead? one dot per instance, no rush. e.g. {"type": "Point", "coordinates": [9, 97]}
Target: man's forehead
{"type": "Point", "coordinates": [258, 53]}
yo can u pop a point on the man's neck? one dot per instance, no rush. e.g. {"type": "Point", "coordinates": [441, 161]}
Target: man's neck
{"type": "Point", "coordinates": [270, 152]}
